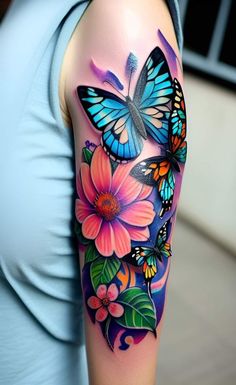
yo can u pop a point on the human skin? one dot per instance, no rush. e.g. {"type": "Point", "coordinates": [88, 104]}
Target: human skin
{"type": "Point", "coordinates": [107, 33]}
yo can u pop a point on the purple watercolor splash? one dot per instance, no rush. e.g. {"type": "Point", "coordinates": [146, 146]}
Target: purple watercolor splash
{"type": "Point", "coordinates": [172, 57]}
{"type": "Point", "coordinates": [106, 76]}
{"type": "Point", "coordinates": [90, 145]}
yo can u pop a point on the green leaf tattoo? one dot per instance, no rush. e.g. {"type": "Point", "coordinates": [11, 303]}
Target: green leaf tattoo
{"type": "Point", "coordinates": [91, 253]}
{"type": "Point", "coordinates": [103, 270]}
{"type": "Point", "coordinates": [139, 309]}
{"type": "Point", "coordinates": [87, 155]}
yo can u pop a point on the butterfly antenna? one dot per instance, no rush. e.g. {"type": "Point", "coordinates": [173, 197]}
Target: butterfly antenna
{"type": "Point", "coordinates": [107, 81]}
{"type": "Point", "coordinates": [130, 76]}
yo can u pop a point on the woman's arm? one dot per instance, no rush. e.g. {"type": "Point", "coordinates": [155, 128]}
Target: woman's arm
{"type": "Point", "coordinates": [122, 84]}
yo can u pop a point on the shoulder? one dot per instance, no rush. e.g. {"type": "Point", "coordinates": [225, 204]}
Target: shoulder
{"type": "Point", "coordinates": [107, 33]}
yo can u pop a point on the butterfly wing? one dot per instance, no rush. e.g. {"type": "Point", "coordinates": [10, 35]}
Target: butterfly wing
{"type": "Point", "coordinates": [157, 171]}
{"type": "Point", "coordinates": [151, 170]}
{"type": "Point", "coordinates": [145, 257]}
{"type": "Point", "coordinates": [153, 94]}
{"type": "Point", "coordinates": [166, 189]}
{"type": "Point", "coordinates": [162, 238]}
{"type": "Point", "coordinates": [181, 153]}
{"type": "Point", "coordinates": [166, 250]}
{"type": "Point", "coordinates": [110, 115]}
{"type": "Point", "coordinates": [121, 140]}
{"type": "Point", "coordinates": [177, 143]}
{"type": "Point", "coordinates": [179, 111]}
{"type": "Point", "coordinates": [137, 256]}
{"type": "Point", "coordinates": [150, 268]}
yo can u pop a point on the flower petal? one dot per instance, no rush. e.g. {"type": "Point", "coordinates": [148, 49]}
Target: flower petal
{"type": "Point", "coordinates": [101, 291]}
{"type": "Point", "coordinates": [112, 292]}
{"type": "Point", "coordinates": [116, 309]}
{"type": "Point", "coordinates": [88, 186]}
{"type": "Point", "coordinates": [101, 314]}
{"type": "Point", "coordinates": [105, 240]}
{"type": "Point", "coordinates": [145, 192]}
{"type": "Point", "coordinates": [138, 214]}
{"type": "Point", "coordinates": [120, 175]}
{"type": "Point", "coordinates": [121, 240]}
{"type": "Point", "coordinates": [91, 226]}
{"type": "Point", "coordinates": [129, 190]}
{"type": "Point", "coordinates": [94, 302]}
{"type": "Point", "coordinates": [140, 234]}
{"type": "Point", "coordinates": [101, 172]}
{"type": "Point", "coordinates": [82, 210]}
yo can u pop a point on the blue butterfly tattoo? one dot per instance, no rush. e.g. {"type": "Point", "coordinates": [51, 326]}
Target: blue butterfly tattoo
{"type": "Point", "coordinates": [125, 122]}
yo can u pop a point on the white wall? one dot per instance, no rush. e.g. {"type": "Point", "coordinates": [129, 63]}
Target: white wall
{"type": "Point", "coordinates": [209, 187]}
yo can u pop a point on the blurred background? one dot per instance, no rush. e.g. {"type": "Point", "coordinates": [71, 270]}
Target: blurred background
{"type": "Point", "coordinates": [198, 343]}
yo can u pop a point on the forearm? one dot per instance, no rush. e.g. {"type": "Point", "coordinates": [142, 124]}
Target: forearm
{"type": "Point", "coordinates": [130, 155]}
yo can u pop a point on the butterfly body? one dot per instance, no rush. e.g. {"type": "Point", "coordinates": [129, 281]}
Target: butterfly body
{"type": "Point", "coordinates": [146, 254]}
{"type": "Point", "coordinates": [172, 160]}
{"type": "Point", "coordinates": [157, 253]}
{"type": "Point", "coordinates": [136, 117]}
{"type": "Point", "coordinates": [125, 122]}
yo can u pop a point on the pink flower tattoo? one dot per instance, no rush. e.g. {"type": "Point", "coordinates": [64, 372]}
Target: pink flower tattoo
{"type": "Point", "coordinates": [112, 207]}
{"type": "Point", "coordinates": [104, 302]}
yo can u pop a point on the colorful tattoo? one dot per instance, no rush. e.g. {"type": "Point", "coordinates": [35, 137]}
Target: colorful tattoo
{"type": "Point", "coordinates": [125, 209]}
{"type": "Point", "coordinates": [173, 59]}
{"type": "Point", "coordinates": [126, 122]}
{"type": "Point", "coordinates": [106, 76]}
{"type": "Point", "coordinates": [160, 170]}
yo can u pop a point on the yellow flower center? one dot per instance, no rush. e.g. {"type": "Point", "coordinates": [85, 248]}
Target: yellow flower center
{"type": "Point", "coordinates": [107, 206]}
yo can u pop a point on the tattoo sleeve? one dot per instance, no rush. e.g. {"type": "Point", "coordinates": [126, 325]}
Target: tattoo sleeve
{"type": "Point", "coordinates": [127, 188]}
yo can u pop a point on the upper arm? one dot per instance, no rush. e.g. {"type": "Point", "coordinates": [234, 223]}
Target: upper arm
{"type": "Point", "coordinates": [127, 184]}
